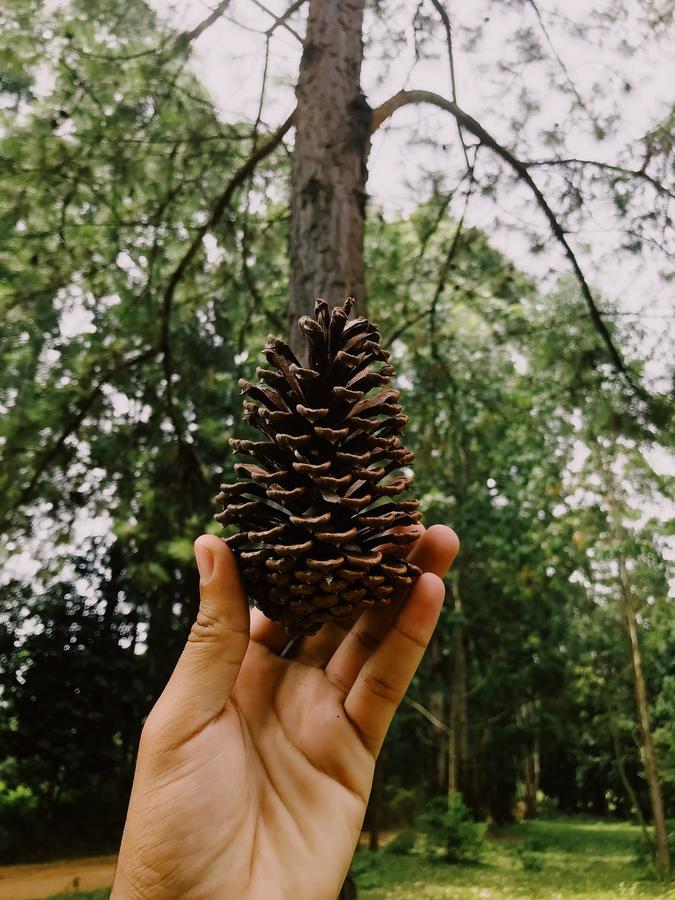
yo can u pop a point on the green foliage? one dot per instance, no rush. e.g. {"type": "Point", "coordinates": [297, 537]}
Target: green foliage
{"type": "Point", "coordinates": [528, 854]}
{"type": "Point", "coordinates": [403, 843]}
{"type": "Point", "coordinates": [450, 831]}
{"type": "Point", "coordinates": [401, 805]}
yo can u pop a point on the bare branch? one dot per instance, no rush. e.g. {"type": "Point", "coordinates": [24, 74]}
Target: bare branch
{"type": "Point", "coordinates": [185, 38]}
{"type": "Point", "coordinates": [445, 18]}
{"type": "Point", "coordinates": [282, 19]}
{"type": "Point", "coordinates": [447, 264]}
{"type": "Point", "coordinates": [609, 167]}
{"type": "Point", "coordinates": [428, 715]}
{"type": "Point", "coordinates": [563, 68]}
{"type": "Point", "coordinates": [405, 98]}
{"type": "Point", "coordinates": [237, 180]}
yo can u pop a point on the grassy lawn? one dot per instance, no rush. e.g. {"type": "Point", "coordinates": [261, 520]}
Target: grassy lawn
{"type": "Point", "coordinates": [585, 860]}
{"type": "Point", "coordinates": [557, 859]}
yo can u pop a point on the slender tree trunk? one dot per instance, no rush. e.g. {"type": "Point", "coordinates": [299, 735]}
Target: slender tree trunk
{"type": "Point", "coordinates": [437, 708]}
{"type": "Point", "coordinates": [531, 780]}
{"type": "Point", "coordinates": [642, 704]}
{"type": "Point", "coordinates": [375, 808]}
{"type": "Point", "coordinates": [530, 761]}
{"type": "Point", "coordinates": [328, 185]}
{"type": "Point", "coordinates": [639, 684]}
{"type": "Point", "coordinates": [628, 787]}
{"type": "Point", "coordinates": [458, 740]}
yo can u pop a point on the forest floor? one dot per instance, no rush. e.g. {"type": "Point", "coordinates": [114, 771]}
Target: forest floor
{"type": "Point", "coordinates": [561, 859]}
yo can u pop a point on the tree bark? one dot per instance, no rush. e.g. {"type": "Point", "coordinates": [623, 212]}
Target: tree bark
{"type": "Point", "coordinates": [642, 704]}
{"type": "Point", "coordinates": [328, 183]}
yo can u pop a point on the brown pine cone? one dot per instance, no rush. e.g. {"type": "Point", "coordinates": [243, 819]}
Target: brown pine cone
{"type": "Point", "coordinates": [316, 506]}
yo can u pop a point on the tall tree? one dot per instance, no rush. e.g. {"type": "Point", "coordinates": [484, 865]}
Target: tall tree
{"type": "Point", "coordinates": [616, 504]}
{"type": "Point", "coordinates": [328, 183]}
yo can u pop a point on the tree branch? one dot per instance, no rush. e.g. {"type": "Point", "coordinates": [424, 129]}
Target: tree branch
{"type": "Point", "coordinates": [179, 45]}
{"type": "Point", "coordinates": [405, 98]}
{"type": "Point", "coordinates": [236, 181]}
{"type": "Point", "coordinates": [609, 167]}
{"type": "Point", "coordinates": [185, 38]}
{"type": "Point", "coordinates": [282, 19]}
{"type": "Point", "coordinates": [445, 18]}
{"type": "Point", "coordinates": [447, 263]}
{"type": "Point", "coordinates": [563, 68]}
{"type": "Point", "coordinates": [428, 715]}
{"type": "Point", "coordinates": [239, 177]}
{"type": "Point", "coordinates": [78, 416]}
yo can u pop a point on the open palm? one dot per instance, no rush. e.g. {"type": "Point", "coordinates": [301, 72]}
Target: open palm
{"type": "Point", "coordinates": [254, 769]}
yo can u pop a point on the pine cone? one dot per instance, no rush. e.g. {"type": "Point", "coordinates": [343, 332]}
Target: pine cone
{"type": "Point", "coordinates": [315, 509]}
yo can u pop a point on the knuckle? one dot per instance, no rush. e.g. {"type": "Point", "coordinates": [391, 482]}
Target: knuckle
{"type": "Point", "coordinates": [411, 635]}
{"type": "Point", "coordinates": [368, 640]}
{"type": "Point", "coordinates": [381, 688]}
{"type": "Point", "coordinates": [150, 732]}
{"type": "Point", "coordinates": [339, 683]}
{"type": "Point", "coordinates": [207, 629]}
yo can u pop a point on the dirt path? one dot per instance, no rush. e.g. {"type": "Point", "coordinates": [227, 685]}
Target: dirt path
{"type": "Point", "coordinates": [36, 882]}
{"type": "Point", "coordinates": [39, 881]}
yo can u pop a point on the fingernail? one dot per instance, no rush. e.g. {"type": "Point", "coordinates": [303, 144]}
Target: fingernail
{"type": "Point", "coordinates": [204, 558]}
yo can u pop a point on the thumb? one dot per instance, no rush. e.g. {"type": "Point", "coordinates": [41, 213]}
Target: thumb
{"type": "Point", "coordinates": [209, 665]}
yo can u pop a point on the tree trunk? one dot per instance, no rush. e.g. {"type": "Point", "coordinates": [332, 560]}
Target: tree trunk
{"type": "Point", "coordinates": [531, 770]}
{"type": "Point", "coordinates": [628, 787]}
{"type": "Point", "coordinates": [529, 716]}
{"type": "Point", "coordinates": [375, 808]}
{"type": "Point", "coordinates": [328, 184]}
{"type": "Point", "coordinates": [458, 739]}
{"type": "Point", "coordinates": [648, 754]}
{"type": "Point", "coordinates": [639, 685]}
{"type": "Point", "coordinates": [439, 782]}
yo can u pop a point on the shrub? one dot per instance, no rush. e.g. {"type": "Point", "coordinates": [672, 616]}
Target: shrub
{"type": "Point", "coordinates": [401, 805]}
{"type": "Point", "coordinates": [529, 858]}
{"type": "Point", "coordinates": [450, 831]}
{"type": "Point", "coordinates": [403, 843]}
{"type": "Point", "coordinates": [35, 827]}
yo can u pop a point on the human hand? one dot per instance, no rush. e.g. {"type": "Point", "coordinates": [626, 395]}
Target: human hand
{"type": "Point", "coordinates": [254, 770]}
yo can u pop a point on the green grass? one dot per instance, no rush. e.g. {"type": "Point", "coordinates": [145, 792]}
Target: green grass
{"type": "Point", "coordinates": [566, 859]}
{"type": "Point", "coordinates": [558, 859]}
{"type": "Point", "coordinates": [92, 895]}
